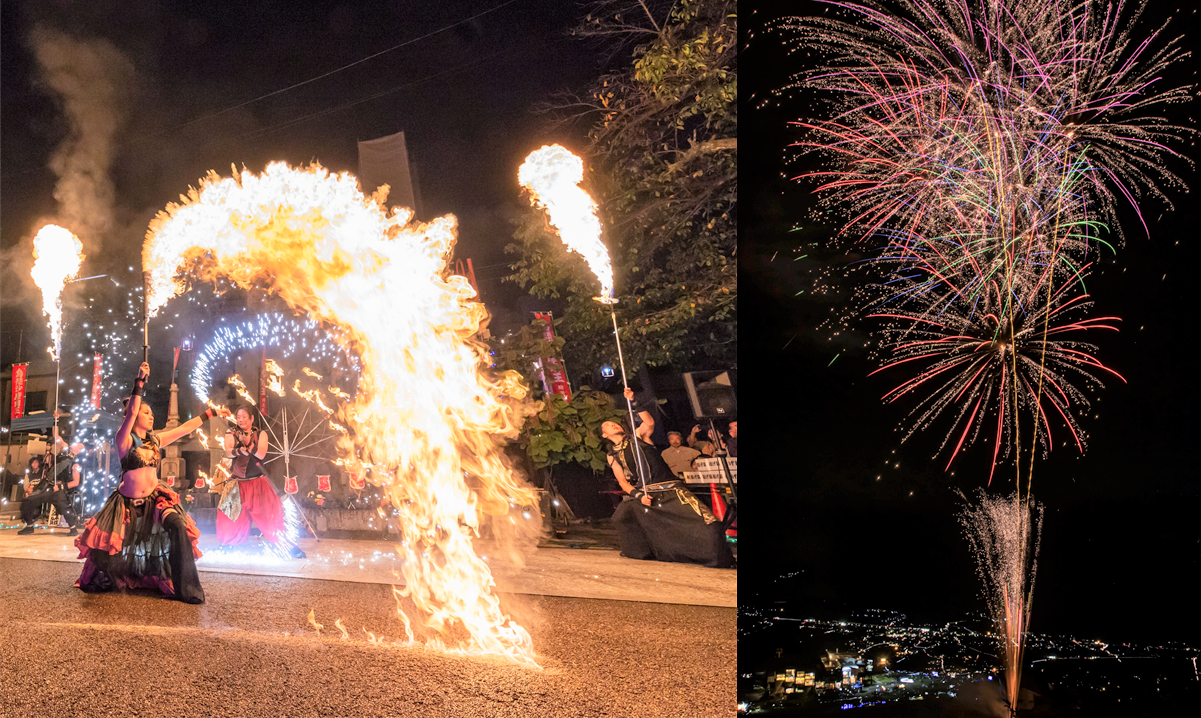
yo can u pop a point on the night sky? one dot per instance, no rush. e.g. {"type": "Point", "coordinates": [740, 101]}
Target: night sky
{"type": "Point", "coordinates": [462, 96]}
{"type": "Point", "coordinates": [1121, 540]}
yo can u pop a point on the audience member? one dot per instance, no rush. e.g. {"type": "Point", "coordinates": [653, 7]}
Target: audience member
{"type": "Point", "coordinates": [678, 457]}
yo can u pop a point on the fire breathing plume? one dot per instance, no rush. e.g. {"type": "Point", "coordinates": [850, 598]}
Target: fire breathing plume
{"type": "Point", "coordinates": [425, 403]}
{"type": "Point", "coordinates": [57, 256]}
{"type": "Point", "coordinates": [275, 377]}
{"type": "Point", "coordinates": [552, 175]}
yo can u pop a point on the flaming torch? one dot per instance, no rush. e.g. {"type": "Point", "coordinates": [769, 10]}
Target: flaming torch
{"type": "Point", "coordinates": [57, 255]}
{"type": "Point", "coordinates": [552, 175]}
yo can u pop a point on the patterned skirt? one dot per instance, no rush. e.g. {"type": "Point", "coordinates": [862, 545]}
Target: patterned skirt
{"type": "Point", "coordinates": [127, 546]}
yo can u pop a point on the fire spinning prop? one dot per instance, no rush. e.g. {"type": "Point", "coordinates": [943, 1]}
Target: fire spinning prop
{"type": "Point", "coordinates": [552, 176]}
{"type": "Point", "coordinates": [986, 146]}
{"type": "Point", "coordinates": [424, 407]}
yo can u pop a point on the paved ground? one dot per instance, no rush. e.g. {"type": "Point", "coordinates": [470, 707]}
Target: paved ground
{"type": "Point", "coordinates": [547, 571]}
{"type": "Point", "coordinates": [250, 652]}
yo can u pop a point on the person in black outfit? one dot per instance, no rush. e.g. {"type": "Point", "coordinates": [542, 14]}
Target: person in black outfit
{"type": "Point", "coordinates": [659, 519]}
{"type": "Point", "coordinates": [54, 490]}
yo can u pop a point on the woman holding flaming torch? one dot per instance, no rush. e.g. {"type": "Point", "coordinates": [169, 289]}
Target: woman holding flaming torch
{"type": "Point", "coordinates": [248, 493]}
{"type": "Point", "coordinates": [142, 538]}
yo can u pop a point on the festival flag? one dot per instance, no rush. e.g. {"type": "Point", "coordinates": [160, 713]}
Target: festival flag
{"type": "Point", "coordinates": [290, 485]}
{"type": "Point", "coordinates": [20, 371]}
{"type": "Point", "coordinates": [357, 483]}
{"type": "Point", "coordinates": [170, 481]}
{"type": "Point", "coordinates": [96, 388]}
{"type": "Point", "coordinates": [554, 374]}
{"type": "Point", "coordinates": [200, 482]}
{"type": "Point", "coordinates": [323, 483]}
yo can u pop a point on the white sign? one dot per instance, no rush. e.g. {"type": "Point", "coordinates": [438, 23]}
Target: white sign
{"type": "Point", "coordinates": [709, 471]}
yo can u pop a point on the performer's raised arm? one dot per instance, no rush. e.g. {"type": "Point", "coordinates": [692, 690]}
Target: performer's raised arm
{"type": "Point", "coordinates": [167, 436]}
{"type": "Point", "coordinates": [123, 440]}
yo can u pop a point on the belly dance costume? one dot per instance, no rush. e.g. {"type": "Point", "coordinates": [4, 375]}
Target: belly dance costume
{"type": "Point", "coordinates": [248, 495]}
{"type": "Point", "coordinates": [141, 543]}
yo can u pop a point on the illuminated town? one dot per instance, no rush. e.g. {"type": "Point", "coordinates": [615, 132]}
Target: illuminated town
{"type": "Point", "coordinates": [877, 658]}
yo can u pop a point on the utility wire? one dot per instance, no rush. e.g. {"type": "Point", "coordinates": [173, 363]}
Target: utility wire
{"type": "Point", "coordinates": [273, 93]}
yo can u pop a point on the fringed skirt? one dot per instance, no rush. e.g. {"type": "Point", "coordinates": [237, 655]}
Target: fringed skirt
{"type": "Point", "coordinates": [141, 543]}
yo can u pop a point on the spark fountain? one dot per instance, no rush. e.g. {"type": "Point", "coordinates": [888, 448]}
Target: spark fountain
{"type": "Point", "coordinates": [1004, 535]}
{"type": "Point", "coordinates": [426, 408]}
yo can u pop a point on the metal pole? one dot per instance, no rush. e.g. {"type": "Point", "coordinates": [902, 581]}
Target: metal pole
{"type": "Point", "coordinates": [146, 317]}
{"type": "Point", "coordinates": [629, 405]}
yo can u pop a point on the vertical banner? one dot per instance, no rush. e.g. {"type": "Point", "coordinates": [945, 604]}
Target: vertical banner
{"type": "Point", "coordinates": [175, 365]}
{"type": "Point", "coordinates": [263, 384]}
{"type": "Point", "coordinates": [554, 373]}
{"type": "Point", "coordinates": [323, 483]}
{"type": "Point", "coordinates": [290, 485]}
{"type": "Point", "coordinates": [96, 388]}
{"type": "Point", "coordinates": [20, 372]}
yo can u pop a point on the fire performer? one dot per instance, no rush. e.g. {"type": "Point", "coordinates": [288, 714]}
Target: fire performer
{"type": "Point", "coordinates": [249, 495]}
{"type": "Point", "coordinates": [142, 538]}
{"type": "Point", "coordinates": [661, 520]}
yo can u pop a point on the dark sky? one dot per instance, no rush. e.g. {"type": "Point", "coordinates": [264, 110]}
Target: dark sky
{"type": "Point", "coordinates": [463, 97]}
{"type": "Point", "coordinates": [1121, 544]}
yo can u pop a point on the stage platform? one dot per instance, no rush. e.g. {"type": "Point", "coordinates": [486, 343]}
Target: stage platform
{"type": "Point", "coordinates": [598, 573]}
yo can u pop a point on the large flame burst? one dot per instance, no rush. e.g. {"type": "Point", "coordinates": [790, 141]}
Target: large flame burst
{"type": "Point", "coordinates": [552, 174]}
{"type": "Point", "coordinates": [57, 255]}
{"type": "Point", "coordinates": [427, 423]}
{"type": "Point", "coordinates": [984, 147]}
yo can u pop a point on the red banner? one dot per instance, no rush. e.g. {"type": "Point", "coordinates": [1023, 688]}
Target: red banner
{"type": "Point", "coordinates": [175, 365]}
{"type": "Point", "coordinates": [323, 483]}
{"type": "Point", "coordinates": [170, 481]}
{"type": "Point", "coordinates": [20, 371]}
{"type": "Point", "coordinates": [357, 483]}
{"type": "Point", "coordinates": [554, 374]}
{"type": "Point", "coordinates": [263, 385]}
{"type": "Point", "coordinates": [199, 482]}
{"type": "Point", "coordinates": [96, 388]}
{"type": "Point", "coordinates": [290, 485]}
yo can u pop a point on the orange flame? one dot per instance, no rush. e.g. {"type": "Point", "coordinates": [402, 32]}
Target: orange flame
{"type": "Point", "coordinates": [204, 440]}
{"type": "Point", "coordinates": [426, 411]}
{"type": "Point", "coordinates": [236, 382]}
{"type": "Point", "coordinates": [274, 377]}
{"type": "Point", "coordinates": [552, 175]}
{"type": "Point", "coordinates": [312, 396]}
{"type": "Point", "coordinates": [310, 372]}
{"type": "Point", "coordinates": [57, 256]}
{"type": "Point", "coordinates": [338, 392]}
{"type": "Point", "coordinates": [340, 627]}
{"type": "Point", "coordinates": [313, 620]}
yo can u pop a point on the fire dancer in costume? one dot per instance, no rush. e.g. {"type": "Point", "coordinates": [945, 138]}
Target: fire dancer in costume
{"type": "Point", "coordinates": [142, 538]}
{"type": "Point", "coordinates": [249, 495]}
{"type": "Point", "coordinates": [664, 521]}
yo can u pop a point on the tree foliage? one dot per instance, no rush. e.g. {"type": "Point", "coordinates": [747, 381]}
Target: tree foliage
{"type": "Point", "coordinates": [661, 160]}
